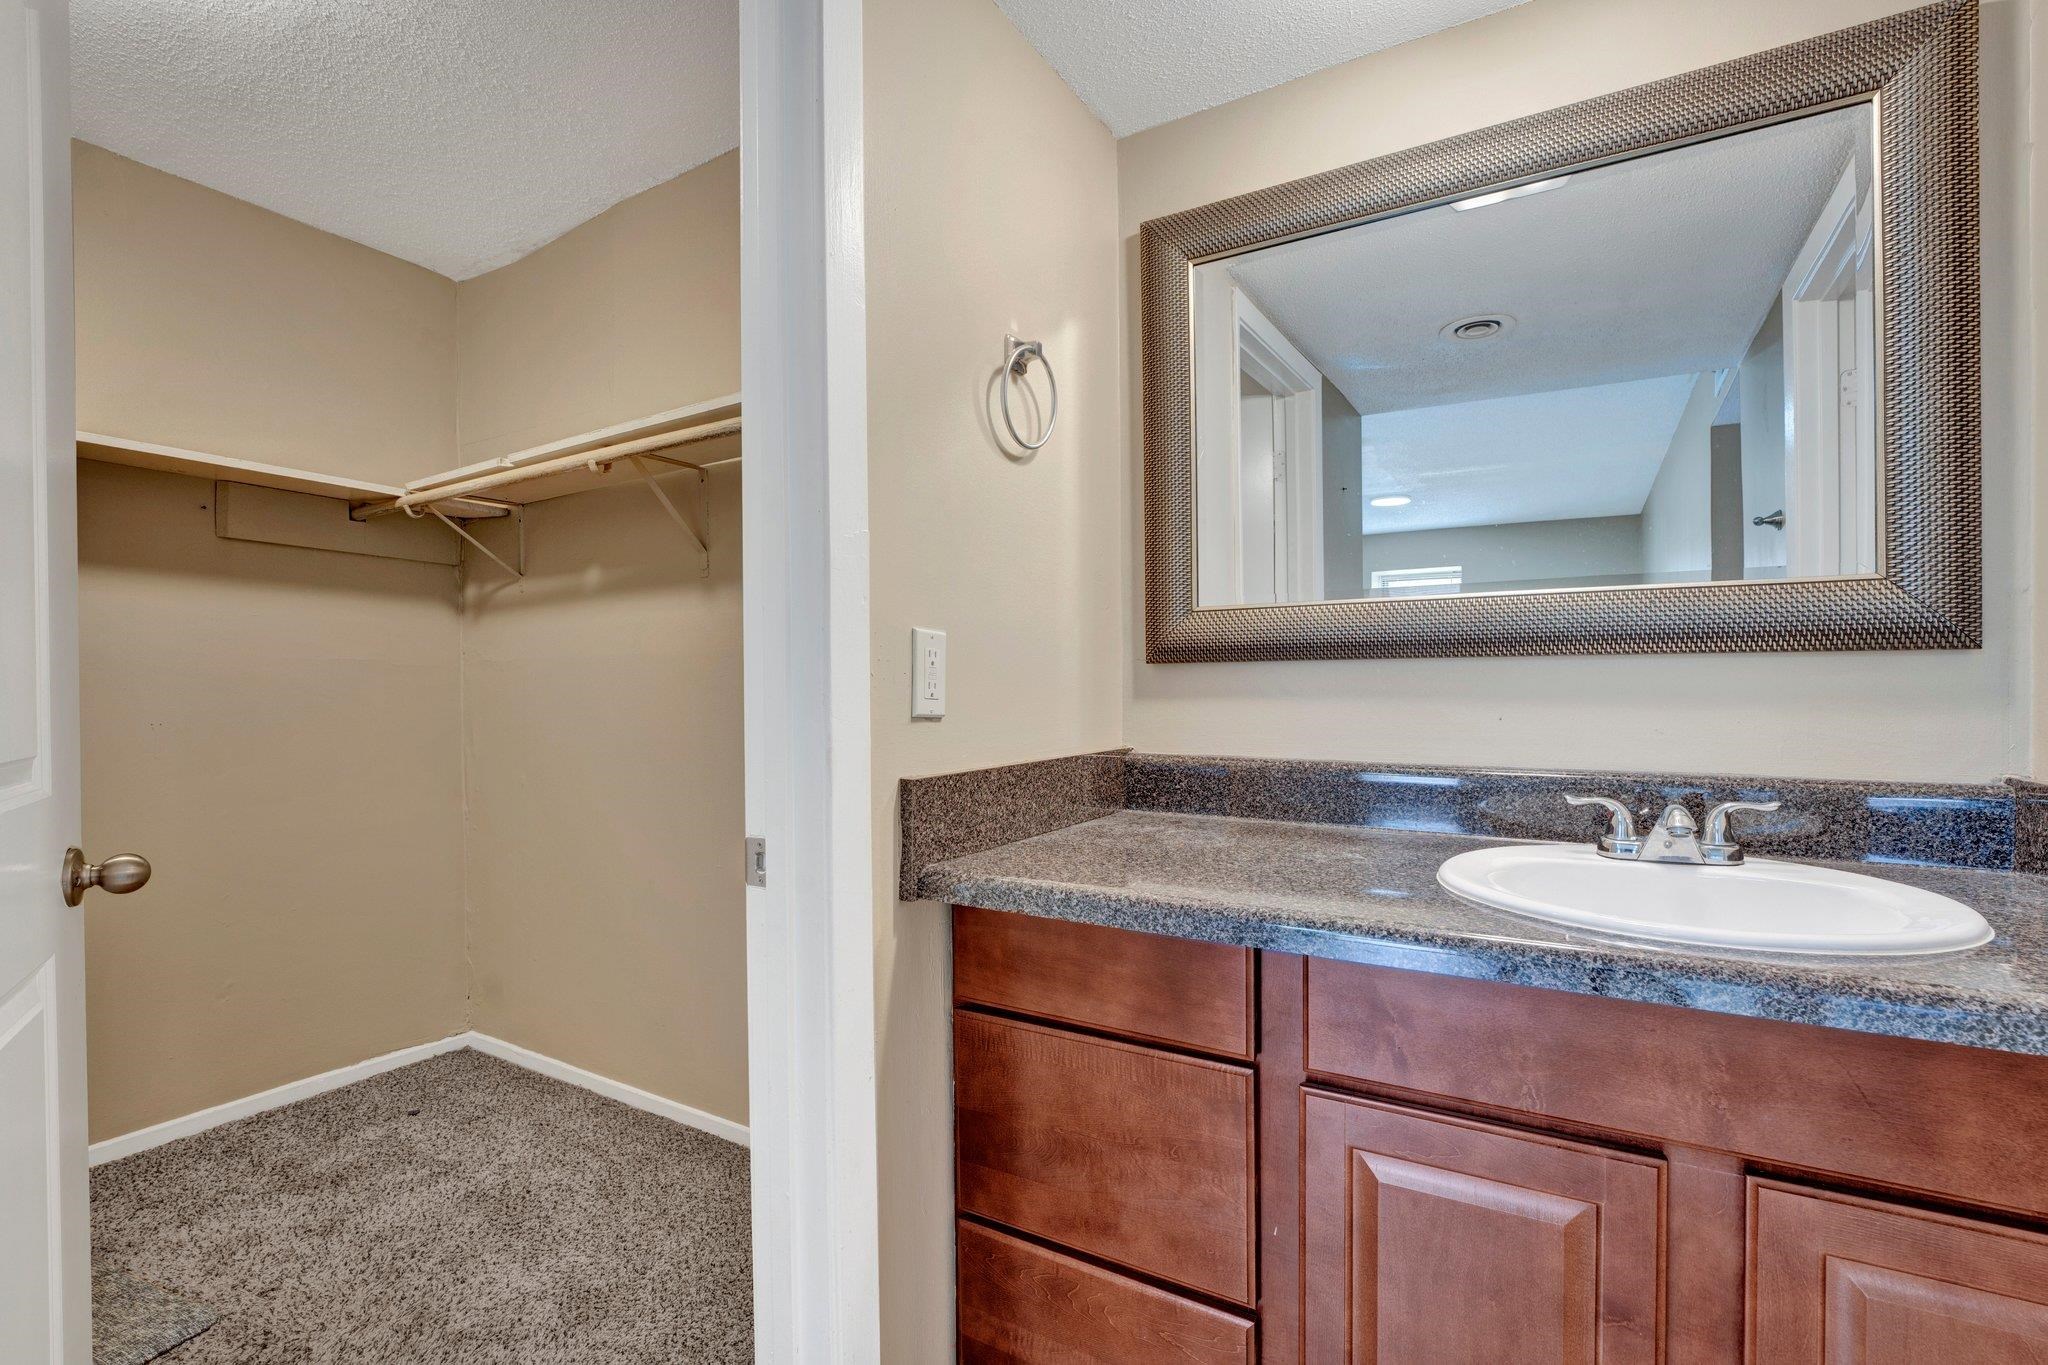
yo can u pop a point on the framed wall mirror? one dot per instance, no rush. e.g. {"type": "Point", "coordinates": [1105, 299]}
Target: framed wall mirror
{"type": "Point", "coordinates": [1690, 367]}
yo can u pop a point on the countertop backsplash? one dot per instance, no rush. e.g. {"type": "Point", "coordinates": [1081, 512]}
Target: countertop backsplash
{"type": "Point", "coordinates": [1996, 826]}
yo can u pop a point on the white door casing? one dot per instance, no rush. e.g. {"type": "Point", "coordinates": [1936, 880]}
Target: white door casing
{"type": "Point", "coordinates": [810, 928]}
{"type": "Point", "coordinates": [1235, 344]}
{"type": "Point", "coordinates": [1831, 366]}
{"type": "Point", "coordinates": [45, 1275]}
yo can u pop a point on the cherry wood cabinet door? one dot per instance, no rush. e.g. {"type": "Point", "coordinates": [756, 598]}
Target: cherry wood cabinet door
{"type": "Point", "coordinates": [1434, 1241]}
{"type": "Point", "coordinates": [1836, 1280]}
{"type": "Point", "coordinates": [1022, 1304]}
{"type": "Point", "coordinates": [1139, 1157]}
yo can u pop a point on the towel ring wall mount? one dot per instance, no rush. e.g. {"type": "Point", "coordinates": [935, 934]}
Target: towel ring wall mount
{"type": "Point", "coordinates": [1017, 357]}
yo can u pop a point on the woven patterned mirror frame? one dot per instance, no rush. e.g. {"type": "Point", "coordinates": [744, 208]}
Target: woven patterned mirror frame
{"type": "Point", "coordinates": [1921, 66]}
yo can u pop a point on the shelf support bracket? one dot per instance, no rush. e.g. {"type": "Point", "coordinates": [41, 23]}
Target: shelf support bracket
{"type": "Point", "coordinates": [519, 572]}
{"type": "Point", "coordinates": [692, 526]}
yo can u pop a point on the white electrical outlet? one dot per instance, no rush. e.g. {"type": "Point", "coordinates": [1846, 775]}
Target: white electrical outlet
{"type": "Point", "coordinates": [927, 674]}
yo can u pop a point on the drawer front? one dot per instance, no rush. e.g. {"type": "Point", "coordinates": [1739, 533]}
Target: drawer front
{"type": "Point", "coordinates": [1433, 1239]}
{"type": "Point", "coordinates": [1020, 1302]}
{"type": "Point", "coordinates": [1136, 1156]}
{"type": "Point", "coordinates": [1835, 1280]}
{"type": "Point", "coordinates": [1193, 995]}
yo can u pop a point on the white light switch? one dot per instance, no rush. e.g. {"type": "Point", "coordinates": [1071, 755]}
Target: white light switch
{"type": "Point", "coordinates": [927, 673]}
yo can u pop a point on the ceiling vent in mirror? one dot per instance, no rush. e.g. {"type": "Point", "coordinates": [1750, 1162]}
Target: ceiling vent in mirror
{"type": "Point", "coordinates": [1480, 328]}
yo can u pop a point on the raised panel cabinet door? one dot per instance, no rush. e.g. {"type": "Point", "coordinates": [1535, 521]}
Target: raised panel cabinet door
{"type": "Point", "coordinates": [1835, 1280]}
{"type": "Point", "coordinates": [1139, 1157]}
{"type": "Point", "coordinates": [1021, 1304]}
{"type": "Point", "coordinates": [1434, 1241]}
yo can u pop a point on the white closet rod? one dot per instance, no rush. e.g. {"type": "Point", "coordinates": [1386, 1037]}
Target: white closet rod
{"type": "Point", "coordinates": [561, 464]}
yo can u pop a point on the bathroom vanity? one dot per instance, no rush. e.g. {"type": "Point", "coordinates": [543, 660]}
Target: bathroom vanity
{"type": "Point", "coordinates": [1260, 1090]}
{"type": "Point", "coordinates": [1259, 1156]}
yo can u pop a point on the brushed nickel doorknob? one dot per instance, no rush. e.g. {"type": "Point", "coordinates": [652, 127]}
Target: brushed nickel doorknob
{"type": "Point", "coordinates": [118, 875]}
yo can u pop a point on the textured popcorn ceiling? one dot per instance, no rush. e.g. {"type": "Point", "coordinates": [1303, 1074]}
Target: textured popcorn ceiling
{"type": "Point", "coordinates": [1138, 63]}
{"type": "Point", "coordinates": [457, 134]}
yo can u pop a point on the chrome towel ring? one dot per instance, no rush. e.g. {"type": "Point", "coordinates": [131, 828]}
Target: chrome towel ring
{"type": "Point", "coordinates": [1017, 358]}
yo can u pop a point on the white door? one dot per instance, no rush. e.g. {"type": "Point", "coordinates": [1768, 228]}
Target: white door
{"type": "Point", "coordinates": [44, 1266]}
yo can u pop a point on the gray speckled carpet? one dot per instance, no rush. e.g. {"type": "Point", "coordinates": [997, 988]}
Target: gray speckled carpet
{"type": "Point", "coordinates": [134, 1323]}
{"type": "Point", "coordinates": [459, 1211]}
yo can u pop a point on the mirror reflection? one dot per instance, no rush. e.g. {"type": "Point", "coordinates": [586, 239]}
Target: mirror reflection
{"type": "Point", "coordinates": [1662, 370]}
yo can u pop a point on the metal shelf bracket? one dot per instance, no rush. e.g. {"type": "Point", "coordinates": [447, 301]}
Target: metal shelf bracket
{"type": "Point", "coordinates": [693, 526]}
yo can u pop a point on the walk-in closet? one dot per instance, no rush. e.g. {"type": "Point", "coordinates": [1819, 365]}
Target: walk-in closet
{"type": "Point", "coordinates": [411, 662]}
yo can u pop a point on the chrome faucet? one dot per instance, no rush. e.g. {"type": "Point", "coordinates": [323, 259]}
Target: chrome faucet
{"type": "Point", "coordinates": [1674, 838]}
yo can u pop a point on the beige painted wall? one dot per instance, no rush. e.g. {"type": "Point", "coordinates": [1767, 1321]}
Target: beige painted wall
{"type": "Point", "coordinates": [1942, 715]}
{"type": "Point", "coordinates": [1519, 554]}
{"type": "Point", "coordinates": [601, 727]}
{"type": "Point", "coordinates": [2035, 266]}
{"type": "Point", "coordinates": [990, 208]}
{"type": "Point", "coordinates": [635, 312]}
{"type": "Point", "coordinates": [277, 730]}
{"type": "Point", "coordinates": [606, 784]}
{"type": "Point", "coordinates": [1678, 526]}
{"type": "Point", "coordinates": [208, 323]}
{"type": "Point", "coordinates": [1343, 496]}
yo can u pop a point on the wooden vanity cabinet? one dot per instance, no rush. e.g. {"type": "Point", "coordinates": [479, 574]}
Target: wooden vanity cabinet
{"type": "Point", "coordinates": [1105, 1145]}
{"type": "Point", "coordinates": [1406, 1169]}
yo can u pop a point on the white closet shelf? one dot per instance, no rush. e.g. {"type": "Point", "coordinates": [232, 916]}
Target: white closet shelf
{"type": "Point", "coordinates": [709, 430]}
{"type": "Point", "coordinates": [681, 439]}
{"type": "Point", "coordinates": [172, 460]}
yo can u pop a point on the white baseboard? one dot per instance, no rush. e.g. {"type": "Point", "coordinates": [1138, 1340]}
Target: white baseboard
{"type": "Point", "coordinates": [170, 1130]}
{"type": "Point", "coordinates": [156, 1135]}
{"type": "Point", "coordinates": [609, 1088]}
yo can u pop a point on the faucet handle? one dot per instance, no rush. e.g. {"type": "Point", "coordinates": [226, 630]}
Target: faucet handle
{"type": "Point", "coordinates": [1677, 820]}
{"type": "Point", "coordinates": [1717, 820]}
{"type": "Point", "coordinates": [1621, 822]}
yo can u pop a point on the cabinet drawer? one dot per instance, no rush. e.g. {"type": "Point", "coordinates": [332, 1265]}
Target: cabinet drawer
{"type": "Point", "coordinates": [1194, 995]}
{"type": "Point", "coordinates": [1434, 1239]}
{"type": "Point", "coordinates": [1137, 1156]}
{"type": "Point", "coordinates": [1020, 1302]}
{"type": "Point", "coordinates": [1850, 1281]}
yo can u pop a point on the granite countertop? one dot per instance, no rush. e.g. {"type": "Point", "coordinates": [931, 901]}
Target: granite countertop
{"type": "Point", "coordinates": [1370, 895]}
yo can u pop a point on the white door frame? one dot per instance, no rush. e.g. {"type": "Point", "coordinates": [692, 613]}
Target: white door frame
{"type": "Point", "coordinates": [1232, 334]}
{"type": "Point", "coordinates": [810, 929]}
{"type": "Point", "coordinates": [1831, 505]}
{"type": "Point", "coordinates": [1265, 353]}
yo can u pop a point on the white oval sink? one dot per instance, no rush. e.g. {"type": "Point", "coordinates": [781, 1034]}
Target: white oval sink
{"type": "Point", "coordinates": [1759, 905]}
